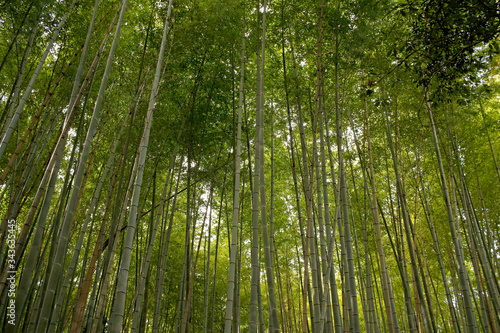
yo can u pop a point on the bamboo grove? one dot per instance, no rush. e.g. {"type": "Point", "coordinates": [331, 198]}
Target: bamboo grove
{"type": "Point", "coordinates": [249, 166]}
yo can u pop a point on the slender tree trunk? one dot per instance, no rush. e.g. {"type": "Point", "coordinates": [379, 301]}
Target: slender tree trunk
{"type": "Point", "coordinates": [16, 34]}
{"type": "Point", "coordinates": [27, 92]}
{"type": "Point", "coordinates": [353, 302]}
{"type": "Point", "coordinates": [462, 271]}
{"type": "Point", "coordinates": [16, 87]}
{"type": "Point", "coordinates": [189, 296]}
{"type": "Point", "coordinates": [116, 320]}
{"type": "Point", "coordinates": [437, 248]}
{"type": "Point", "coordinates": [408, 230]}
{"type": "Point", "coordinates": [387, 292]}
{"type": "Point", "coordinates": [73, 201]}
{"type": "Point", "coordinates": [236, 201]}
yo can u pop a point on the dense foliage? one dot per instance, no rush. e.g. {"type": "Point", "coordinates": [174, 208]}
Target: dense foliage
{"type": "Point", "coordinates": [194, 166]}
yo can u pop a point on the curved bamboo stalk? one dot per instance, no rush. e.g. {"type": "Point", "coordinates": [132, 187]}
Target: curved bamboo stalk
{"type": "Point", "coordinates": [57, 267]}
{"type": "Point", "coordinates": [117, 314]}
